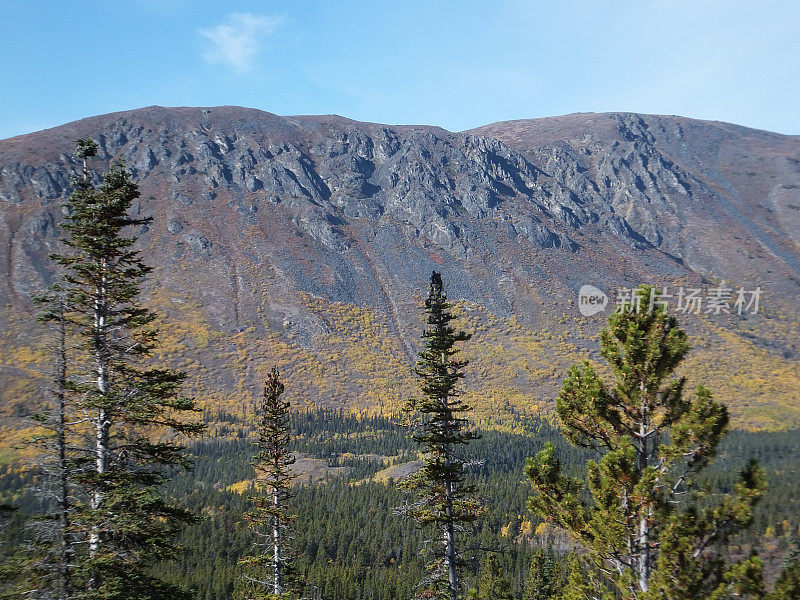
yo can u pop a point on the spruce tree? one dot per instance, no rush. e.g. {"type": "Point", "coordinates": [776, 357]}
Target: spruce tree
{"type": "Point", "coordinates": [268, 572]}
{"type": "Point", "coordinates": [135, 411]}
{"type": "Point", "coordinates": [445, 502]}
{"type": "Point", "coordinates": [650, 530]}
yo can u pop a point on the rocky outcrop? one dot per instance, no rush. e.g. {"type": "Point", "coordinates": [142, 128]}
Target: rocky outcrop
{"type": "Point", "coordinates": [251, 209]}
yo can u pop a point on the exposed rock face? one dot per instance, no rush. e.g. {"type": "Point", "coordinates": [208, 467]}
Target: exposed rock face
{"type": "Point", "coordinates": [698, 191]}
{"type": "Point", "coordinates": [251, 209]}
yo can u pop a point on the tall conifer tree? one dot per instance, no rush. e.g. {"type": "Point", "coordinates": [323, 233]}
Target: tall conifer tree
{"type": "Point", "coordinates": [128, 523]}
{"type": "Point", "coordinates": [268, 572]}
{"type": "Point", "coordinates": [446, 501]}
{"type": "Point", "coordinates": [52, 553]}
{"type": "Point", "coordinates": [646, 531]}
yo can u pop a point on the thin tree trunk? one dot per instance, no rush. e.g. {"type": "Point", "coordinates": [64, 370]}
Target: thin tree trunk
{"type": "Point", "coordinates": [449, 529]}
{"type": "Point", "coordinates": [276, 547]}
{"type": "Point", "coordinates": [65, 570]}
{"type": "Point", "coordinates": [644, 525]}
{"type": "Point", "coordinates": [102, 423]}
{"type": "Point", "coordinates": [450, 539]}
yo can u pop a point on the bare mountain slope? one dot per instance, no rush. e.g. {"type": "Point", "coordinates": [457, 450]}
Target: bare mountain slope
{"type": "Point", "coordinates": [308, 241]}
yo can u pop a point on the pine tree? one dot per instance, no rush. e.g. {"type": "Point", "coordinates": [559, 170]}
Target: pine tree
{"type": "Point", "coordinates": [268, 573]}
{"type": "Point", "coordinates": [446, 501]}
{"type": "Point", "coordinates": [649, 530]}
{"type": "Point", "coordinates": [128, 523]}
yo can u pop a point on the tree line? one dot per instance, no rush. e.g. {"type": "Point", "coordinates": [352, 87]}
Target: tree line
{"type": "Point", "coordinates": [642, 523]}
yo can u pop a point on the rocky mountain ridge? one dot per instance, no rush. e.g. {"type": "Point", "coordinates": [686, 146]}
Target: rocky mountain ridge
{"type": "Point", "coordinates": [283, 236]}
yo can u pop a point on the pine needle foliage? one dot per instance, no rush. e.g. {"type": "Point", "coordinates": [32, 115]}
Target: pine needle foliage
{"type": "Point", "coordinates": [446, 501]}
{"type": "Point", "coordinates": [650, 531]}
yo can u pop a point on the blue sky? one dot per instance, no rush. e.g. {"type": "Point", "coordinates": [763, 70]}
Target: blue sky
{"type": "Point", "coordinates": [454, 64]}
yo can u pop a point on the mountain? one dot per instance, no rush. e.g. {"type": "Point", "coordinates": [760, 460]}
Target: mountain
{"type": "Point", "coordinates": [308, 241]}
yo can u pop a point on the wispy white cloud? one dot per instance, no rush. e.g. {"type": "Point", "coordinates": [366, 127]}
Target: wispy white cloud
{"type": "Point", "coordinates": [236, 42]}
